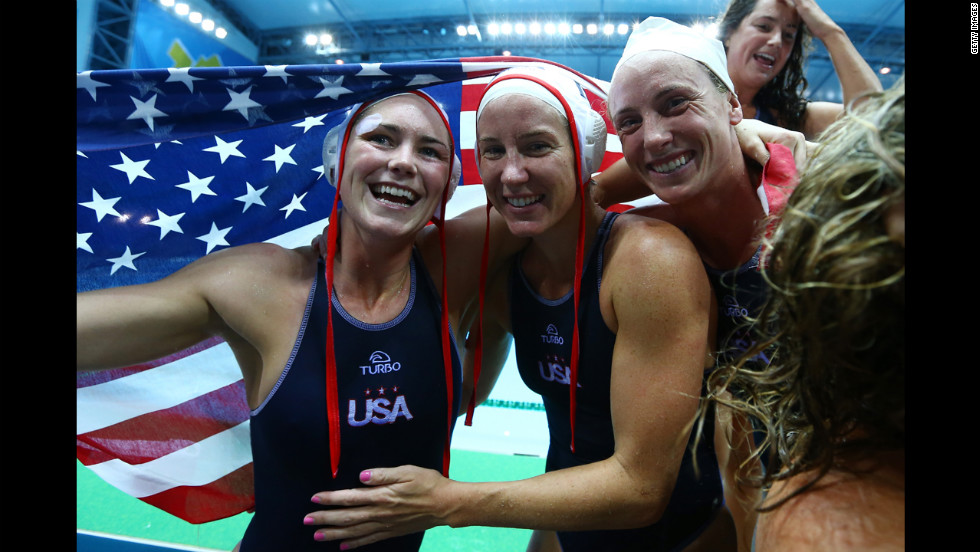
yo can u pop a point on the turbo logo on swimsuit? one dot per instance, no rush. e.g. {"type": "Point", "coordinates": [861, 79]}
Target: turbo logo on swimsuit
{"type": "Point", "coordinates": [551, 336]}
{"type": "Point", "coordinates": [380, 364]}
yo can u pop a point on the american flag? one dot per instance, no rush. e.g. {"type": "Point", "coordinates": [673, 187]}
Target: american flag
{"type": "Point", "coordinates": [173, 164]}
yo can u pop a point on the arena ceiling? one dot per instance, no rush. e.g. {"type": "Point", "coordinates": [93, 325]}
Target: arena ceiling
{"type": "Point", "coordinates": [403, 30]}
{"type": "Point", "coordinates": [398, 30]}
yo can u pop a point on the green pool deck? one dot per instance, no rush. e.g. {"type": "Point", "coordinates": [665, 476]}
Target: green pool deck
{"type": "Point", "coordinates": [101, 508]}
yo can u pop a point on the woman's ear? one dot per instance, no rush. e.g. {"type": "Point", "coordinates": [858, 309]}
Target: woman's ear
{"type": "Point", "coordinates": [735, 111]}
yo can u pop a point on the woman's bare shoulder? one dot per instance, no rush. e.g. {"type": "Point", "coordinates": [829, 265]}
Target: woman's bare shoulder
{"type": "Point", "coordinates": [843, 512]}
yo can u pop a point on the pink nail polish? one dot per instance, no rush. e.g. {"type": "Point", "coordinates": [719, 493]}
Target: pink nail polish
{"type": "Point", "coordinates": [315, 499]}
{"type": "Point", "coordinates": [308, 520]}
{"type": "Point", "coordinates": [344, 546]}
{"type": "Point", "coordinates": [365, 476]}
{"type": "Point", "coordinates": [318, 537]}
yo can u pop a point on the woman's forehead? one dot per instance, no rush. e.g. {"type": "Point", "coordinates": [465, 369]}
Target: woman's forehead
{"type": "Point", "coordinates": [649, 72]}
{"type": "Point", "coordinates": [407, 110]}
{"type": "Point", "coordinates": [520, 109]}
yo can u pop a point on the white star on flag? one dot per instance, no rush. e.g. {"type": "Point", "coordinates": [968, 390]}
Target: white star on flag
{"type": "Point", "coordinates": [167, 223]}
{"type": "Point", "coordinates": [197, 186]}
{"type": "Point", "coordinates": [133, 169]}
{"type": "Point", "coordinates": [423, 80]}
{"type": "Point", "coordinates": [215, 237]}
{"type": "Point", "coordinates": [294, 205]}
{"type": "Point", "coordinates": [240, 101]}
{"type": "Point", "coordinates": [225, 149]}
{"type": "Point", "coordinates": [333, 89]}
{"type": "Point", "coordinates": [126, 260]}
{"type": "Point", "coordinates": [102, 207]}
{"type": "Point", "coordinates": [310, 122]}
{"type": "Point", "coordinates": [86, 81]}
{"type": "Point", "coordinates": [276, 71]}
{"type": "Point", "coordinates": [181, 74]}
{"type": "Point", "coordinates": [251, 197]}
{"type": "Point", "coordinates": [281, 156]}
{"type": "Point", "coordinates": [81, 241]}
{"type": "Point", "coordinates": [146, 110]}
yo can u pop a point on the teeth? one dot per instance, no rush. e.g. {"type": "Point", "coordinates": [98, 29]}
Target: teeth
{"type": "Point", "coordinates": [767, 58]}
{"type": "Point", "coordinates": [523, 201]}
{"type": "Point", "coordinates": [671, 165]}
{"type": "Point", "coordinates": [395, 191]}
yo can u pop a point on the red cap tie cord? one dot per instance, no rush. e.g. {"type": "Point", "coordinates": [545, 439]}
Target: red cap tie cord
{"type": "Point", "coordinates": [580, 169]}
{"type": "Point", "coordinates": [333, 409]}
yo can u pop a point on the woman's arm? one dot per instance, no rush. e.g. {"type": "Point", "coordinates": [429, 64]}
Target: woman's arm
{"type": "Point", "coordinates": [121, 326]}
{"type": "Point", "coordinates": [855, 75]}
{"type": "Point", "coordinates": [661, 322]}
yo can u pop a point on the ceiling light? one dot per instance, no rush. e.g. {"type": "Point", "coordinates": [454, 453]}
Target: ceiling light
{"type": "Point", "coordinates": [195, 17]}
{"type": "Point", "coordinates": [220, 32]}
{"type": "Point", "coordinates": [325, 39]}
{"type": "Point", "coordinates": [182, 9]}
{"type": "Point", "coordinates": [564, 28]}
{"type": "Point", "coordinates": [592, 28]}
{"type": "Point", "coordinates": [310, 39]}
{"type": "Point", "coordinates": [549, 28]}
{"type": "Point", "coordinates": [471, 29]}
{"type": "Point", "coordinates": [506, 28]}
{"type": "Point", "coordinates": [623, 28]}
{"type": "Point", "coordinates": [577, 28]}
{"type": "Point", "coordinates": [461, 30]}
{"type": "Point", "coordinates": [207, 25]}
{"type": "Point", "coordinates": [493, 29]}
{"type": "Point", "coordinates": [608, 29]}
{"type": "Point", "coordinates": [534, 28]}
{"type": "Point", "coordinates": [520, 28]}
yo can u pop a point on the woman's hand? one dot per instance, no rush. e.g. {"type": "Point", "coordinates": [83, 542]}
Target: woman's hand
{"type": "Point", "coordinates": [753, 135]}
{"type": "Point", "coordinates": [819, 23]}
{"type": "Point", "coordinates": [397, 501]}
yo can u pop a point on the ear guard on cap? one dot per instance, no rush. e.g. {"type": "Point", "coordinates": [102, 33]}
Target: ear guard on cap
{"type": "Point", "coordinates": [453, 182]}
{"type": "Point", "coordinates": [330, 154]}
{"type": "Point", "coordinates": [595, 142]}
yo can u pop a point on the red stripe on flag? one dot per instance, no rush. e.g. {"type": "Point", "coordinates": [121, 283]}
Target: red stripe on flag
{"type": "Point", "coordinates": [224, 497]}
{"type": "Point", "coordinates": [151, 436]}
{"type": "Point", "coordinates": [86, 379]}
{"type": "Point", "coordinates": [470, 96]}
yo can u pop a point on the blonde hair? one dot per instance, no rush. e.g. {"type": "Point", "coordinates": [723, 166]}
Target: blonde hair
{"type": "Point", "coordinates": [833, 326]}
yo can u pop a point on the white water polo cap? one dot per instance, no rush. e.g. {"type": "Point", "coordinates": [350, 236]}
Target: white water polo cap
{"type": "Point", "coordinates": [337, 138]}
{"type": "Point", "coordinates": [657, 33]}
{"type": "Point", "coordinates": [561, 90]}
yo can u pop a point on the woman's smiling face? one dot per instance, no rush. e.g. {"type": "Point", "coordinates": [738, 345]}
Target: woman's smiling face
{"type": "Point", "coordinates": [527, 162]}
{"type": "Point", "coordinates": [761, 44]}
{"type": "Point", "coordinates": [396, 164]}
{"type": "Point", "coordinates": [675, 126]}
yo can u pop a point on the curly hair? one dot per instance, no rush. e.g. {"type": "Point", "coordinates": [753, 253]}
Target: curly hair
{"type": "Point", "coordinates": [784, 93]}
{"type": "Point", "coordinates": [833, 327]}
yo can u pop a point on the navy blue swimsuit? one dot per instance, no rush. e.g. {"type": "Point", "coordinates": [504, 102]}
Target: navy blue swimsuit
{"type": "Point", "coordinates": [542, 332]}
{"type": "Point", "coordinates": [392, 394]}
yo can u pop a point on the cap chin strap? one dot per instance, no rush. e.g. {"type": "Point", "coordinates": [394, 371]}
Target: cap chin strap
{"type": "Point", "coordinates": [333, 407]}
{"type": "Point", "coordinates": [579, 255]}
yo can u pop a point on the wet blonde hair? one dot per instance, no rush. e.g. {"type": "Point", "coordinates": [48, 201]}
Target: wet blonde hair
{"type": "Point", "coordinates": [833, 327]}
